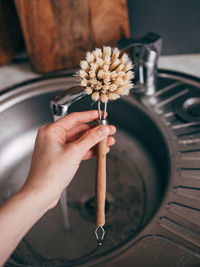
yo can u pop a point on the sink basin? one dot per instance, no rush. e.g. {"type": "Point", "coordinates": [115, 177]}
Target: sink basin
{"type": "Point", "coordinates": [139, 174]}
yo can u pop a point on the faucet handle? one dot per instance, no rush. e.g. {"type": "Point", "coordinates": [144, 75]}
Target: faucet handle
{"type": "Point", "coordinates": [144, 53]}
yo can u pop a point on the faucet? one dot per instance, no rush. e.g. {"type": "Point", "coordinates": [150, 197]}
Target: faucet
{"type": "Point", "coordinates": [143, 52]}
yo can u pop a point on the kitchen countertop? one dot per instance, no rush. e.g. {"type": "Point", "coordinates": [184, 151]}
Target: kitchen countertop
{"type": "Point", "coordinates": [17, 72]}
{"type": "Point", "coordinates": [188, 63]}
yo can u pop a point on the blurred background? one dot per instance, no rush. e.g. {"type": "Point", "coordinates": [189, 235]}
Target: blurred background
{"type": "Point", "coordinates": [177, 21]}
{"type": "Point", "coordinates": [55, 34]}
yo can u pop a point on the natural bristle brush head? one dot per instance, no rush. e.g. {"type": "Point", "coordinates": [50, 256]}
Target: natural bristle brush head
{"type": "Point", "coordinates": [105, 74]}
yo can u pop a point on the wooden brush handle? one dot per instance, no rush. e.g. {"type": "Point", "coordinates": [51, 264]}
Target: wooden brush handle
{"type": "Point", "coordinates": [101, 183]}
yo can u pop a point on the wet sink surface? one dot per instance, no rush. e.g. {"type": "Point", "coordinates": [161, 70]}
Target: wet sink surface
{"type": "Point", "coordinates": [137, 176]}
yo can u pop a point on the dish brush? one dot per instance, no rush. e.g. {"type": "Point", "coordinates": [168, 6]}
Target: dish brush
{"type": "Point", "coordinates": [105, 75]}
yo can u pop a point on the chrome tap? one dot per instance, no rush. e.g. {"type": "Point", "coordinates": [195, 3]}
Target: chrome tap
{"type": "Point", "coordinates": [61, 102]}
{"type": "Point", "coordinates": [144, 53]}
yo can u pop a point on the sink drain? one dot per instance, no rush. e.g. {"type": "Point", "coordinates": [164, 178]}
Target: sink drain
{"type": "Point", "coordinates": [88, 207]}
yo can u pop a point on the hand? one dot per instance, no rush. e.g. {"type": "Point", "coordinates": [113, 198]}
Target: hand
{"type": "Point", "coordinates": [59, 149]}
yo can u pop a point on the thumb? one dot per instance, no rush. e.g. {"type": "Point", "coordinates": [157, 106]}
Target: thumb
{"type": "Point", "coordinates": [92, 137]}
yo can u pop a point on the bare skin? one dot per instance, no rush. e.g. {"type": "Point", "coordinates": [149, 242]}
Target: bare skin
{"type": "Point", "coordinates": [59, 149]}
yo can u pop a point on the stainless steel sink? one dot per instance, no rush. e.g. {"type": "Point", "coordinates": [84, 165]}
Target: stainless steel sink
{"type": "Point", "coordinates": [152, 174]}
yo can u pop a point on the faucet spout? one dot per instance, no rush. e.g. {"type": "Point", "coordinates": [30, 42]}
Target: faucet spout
{"type": "Point", "coordinates": [61, 102]}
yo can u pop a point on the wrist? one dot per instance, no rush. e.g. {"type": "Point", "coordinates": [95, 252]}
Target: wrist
{"type": "Point", "coordinates": [33, 197]}
{"type": "Point", "coordinates": [45, 197]}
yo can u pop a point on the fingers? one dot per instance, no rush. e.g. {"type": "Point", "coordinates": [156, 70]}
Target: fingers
{"type": "Point", "coordinates": [76, 118]}
{"type": "Point", "coordinates": [90, 139]}
{"type": "Point", "coordinates": [93, 151]}
{"type": "Point", "coordinates": [112, 129]}
{"type": "Point", "coordinates": [77, 131]}
{"type": "Point", "coordinates": [110, 141]}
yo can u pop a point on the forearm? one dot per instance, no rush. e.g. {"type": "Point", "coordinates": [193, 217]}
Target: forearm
{"type": "Point", "coordinates": [17, 216]}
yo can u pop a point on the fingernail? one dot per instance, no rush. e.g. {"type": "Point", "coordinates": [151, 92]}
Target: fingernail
{"type": "Point", "coordinates": [102, 130]}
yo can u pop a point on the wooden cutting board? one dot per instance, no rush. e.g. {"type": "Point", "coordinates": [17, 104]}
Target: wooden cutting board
{"type": "Point", "coordinates": [10, 33]}
{"type": "Point", "coordinates": [57, 33]}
